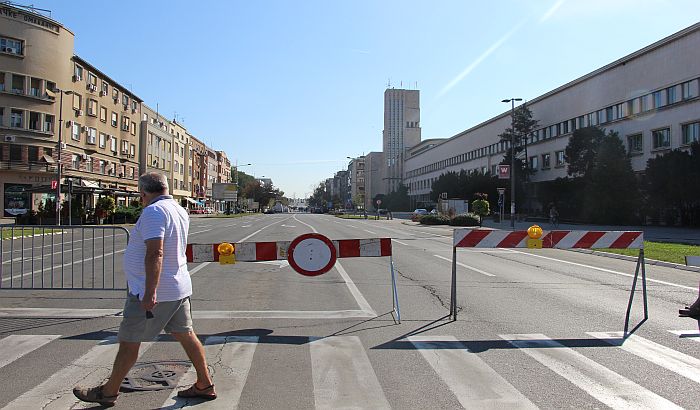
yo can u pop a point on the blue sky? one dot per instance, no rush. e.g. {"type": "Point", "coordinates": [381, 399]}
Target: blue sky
{"type": "Point", "coordinates": [294, 87]}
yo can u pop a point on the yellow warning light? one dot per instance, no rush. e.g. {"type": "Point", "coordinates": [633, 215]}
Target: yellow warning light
{"type": "Point", "coordinates": [534, 232]}
{"type": "Point", "coordinates": [225, 248]}
{"type": "Point", "coordinates": [226, 256]}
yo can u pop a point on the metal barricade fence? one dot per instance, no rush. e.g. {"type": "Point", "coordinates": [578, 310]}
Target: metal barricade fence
{"type": "Point", "coordinates": [62, 257]}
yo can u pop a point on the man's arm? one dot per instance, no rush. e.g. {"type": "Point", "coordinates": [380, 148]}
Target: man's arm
{"type": "Point", "coordinates": [154, 263]}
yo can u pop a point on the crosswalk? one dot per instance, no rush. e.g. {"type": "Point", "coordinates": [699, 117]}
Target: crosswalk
{"type": "Point", "coordinates": [342, 374]}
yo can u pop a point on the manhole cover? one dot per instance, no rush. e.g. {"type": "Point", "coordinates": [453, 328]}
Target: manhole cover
{"type": "Point", "coordinates": [155, 375]}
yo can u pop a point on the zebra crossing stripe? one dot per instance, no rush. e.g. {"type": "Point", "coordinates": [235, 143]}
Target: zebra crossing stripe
{"type": "Point", "coordinates": [595, 379]}
{"type": "Point", "coordinates": [343, 376]}
{"type": "Point", "coordinates": [475, 384]}
{"type": "Point", "coordinates": [692, 334]}
{"type": "Point", "coordinates": [677, 362]}
{"type": "Point", "coordinates": [15, 346]}
{"type": "Point", "coordinates": [89, 370]}
{"type": "Point", "coordinates": [229, 359]}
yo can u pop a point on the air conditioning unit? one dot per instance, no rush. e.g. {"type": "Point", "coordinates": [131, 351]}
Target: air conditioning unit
{"type": "Point", "coordinates": [85, 157]}
{"type": "Point", "coordinates": [10, 138]}
{"type": "Point", "coordinates": [78, 112]}
{"type": "Point", "coordinates": [75, 78]}
{"type": "Point", "coordinates": [126, 107]}
{"type": "Point", "coordinates": [63, 145]}
{"type": "Point", "coordinates": [91, 87]}
{"type": "Point", "coordinates": [83, 128]}
{"type": "Point", "coordinates": [69, 124]}
{"type": "Point", "coordinates": [133, 110]}
{"type": "Point", "coordinates": [102, 93]}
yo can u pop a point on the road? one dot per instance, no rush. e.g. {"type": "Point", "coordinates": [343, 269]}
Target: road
{"type": "Point", "coordinates": [536, 328]}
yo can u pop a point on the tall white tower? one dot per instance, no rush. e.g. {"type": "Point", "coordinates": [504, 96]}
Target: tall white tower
{"type": "Point", "coordinates": [401, 132]}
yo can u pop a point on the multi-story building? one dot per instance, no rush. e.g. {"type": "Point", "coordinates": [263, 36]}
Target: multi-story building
{"type": "Point", "coordinates": [341, 189]}
{"type": "Point", "coordinates": [198, 171]}
{"type": "Point", "coordinates": [180, 188]}
{"type": "Point", "coordinates": [650, 98]}
{"type": "Point", "coordinates": [156, 144]}
{"type": "Point", "coordinates": [401, 132]}
{"type": "Point", "coordinates": [223, 167]}
{"type": "Point", "coordinates": [374, 178]}
{"type": "Point", "coordinates": [46, 94]}
{"type": "Point", "coordinates": [356, 174]}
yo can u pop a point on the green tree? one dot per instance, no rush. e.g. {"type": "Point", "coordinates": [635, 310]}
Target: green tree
{"type": "Point", "coordinates": [582, 149]}
{"type": "Point", "coordinates": [398, 200]}
{"type": "Point", "coordinates": [611, 191]}
{"type": "Point", "coordinates": [480, 206]}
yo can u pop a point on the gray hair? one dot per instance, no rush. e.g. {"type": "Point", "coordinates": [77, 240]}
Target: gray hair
{"type": "Point", "coordinates": [153, 183]}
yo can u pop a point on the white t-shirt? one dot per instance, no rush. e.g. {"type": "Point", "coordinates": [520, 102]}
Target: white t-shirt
{"type": "Point", "coordinates": [163, 218]}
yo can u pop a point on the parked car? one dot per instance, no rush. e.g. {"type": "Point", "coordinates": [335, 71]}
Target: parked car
{"type": "Point", "coordinates": [418, 213]}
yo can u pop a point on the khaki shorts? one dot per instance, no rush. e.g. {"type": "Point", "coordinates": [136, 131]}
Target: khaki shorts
{"type": "Point", "coordinates": [173, 317]}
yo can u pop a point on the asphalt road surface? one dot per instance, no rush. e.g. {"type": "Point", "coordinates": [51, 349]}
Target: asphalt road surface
{"type": "Point", "coordinates": [536, 328]}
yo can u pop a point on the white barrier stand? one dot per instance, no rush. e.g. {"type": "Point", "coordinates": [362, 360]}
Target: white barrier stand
{"type": "Point", "coordinates": [539, 239]}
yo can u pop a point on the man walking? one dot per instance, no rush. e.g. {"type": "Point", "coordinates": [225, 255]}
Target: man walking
{"type": "Point", "coordinates": [159, 292]}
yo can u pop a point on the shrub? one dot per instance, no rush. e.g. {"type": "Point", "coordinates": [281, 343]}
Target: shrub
{"type": "Point", "coordinates": [105, 206]}
{"type": "Point", "coordinates": [465, 220]}
{"type": "Point", "coordinates": [126, 214]}
{"type": "Point", "coordinates": [434, 220]}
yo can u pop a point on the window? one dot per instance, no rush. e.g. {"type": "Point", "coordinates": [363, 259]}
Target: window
{"type": "Point", "coordinates": [50, 85]}
{"type": "Point", "coordinates": [18, 83]}
{"type": "Point", "coordinates": [115, 94]}
{"type": "Point", "coordinates": [113, 144]}
{"type": "Point", "coordinates": [75, 131]}
{"type": "Point", "coordinates": [91, 135]}
{"type": "Point", "coordinates": [103, 140]}
{"type": "Point", "coordinates": [133, 128]}
{"type": "Point", "coordinates": [661, 138]}
{"type": "Point", "coordinates": [77, 101]}
{"type": "Point", "coordinates": [609, 114]}
{"type": "Point", "coordinates": [644, 103]}
{"type": "Point", "coordinates": [48, 122]}
{"type": "Point", "coordinates": [75, 161]}
{"type": "Point", "coordinates": [114, 119]}
{"type": "Point", "coordinates": [125, 99]}
{"type": "Point", "coordinates": [688, 91]}
{"type": "Point", "coordinates": [132, 150]}
{"type": "Point", "coordinates": [35, 87]}
{"type": "Point", "coordinates": [103, 114]}
{"type": "Point", "coordinates": [17, 118]}
{"type": "Point", "coordinates": [546, 161]}
{"type": "Point", "coordinates": [15, 152]}
{"type": "Point", "coordinates": [634, 143]}
{"type": "Point", "coordinates": [33, 153]}
{"type": "Point", "coordinates": [77, 73]}
{"type": "Point", "coordinates": [34, 121]}
{"type": "Point", "coordinates": [533, 163]}
{"type": "Point", "coordinates": [92, 107]}
{"type": "Point", "coordinates": [88, 164]}
{"type": "Point", "coordinates": [12, 46]}
{"type": "Point", "coordinates": [691, 132]}
{"type": "Point", "coordinates": [103, 167]}
{"type": "Point", "coordinates": [105, 88]}
{"type": "Point", "coordinates": [125, 147]}
{"type": "Point", "coordinates": [125, 123]}
{"type": "Point", "coordinates": [2, 81]}
{"type": "Point", "coordinates": [560, 158]}
{"type": "Point", "coordinates": [656, 97]}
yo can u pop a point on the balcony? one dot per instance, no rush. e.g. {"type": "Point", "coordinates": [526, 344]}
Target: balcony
{"type": "Point", "coordinates": [33, 166]}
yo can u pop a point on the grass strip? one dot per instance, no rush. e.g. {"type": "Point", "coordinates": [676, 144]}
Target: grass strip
{"type": "Point", "coordinates": [8, 233]}
{"type": "Point", "coordinates": [661, 251]}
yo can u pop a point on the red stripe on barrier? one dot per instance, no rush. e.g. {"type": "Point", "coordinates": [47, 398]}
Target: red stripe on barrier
{"type": "Point", "coordinates": [625, 240]}
{"type": "Point", "coordinates": [588, 239]}
{"type": "Point", "coordinates": [348, 248]}
{"type": "Point", "coordinates": [552, 238]}
{"type": "Point", "coordinates": [266, 251]}
{"type": "Point", "coordinates": [188, 252]}
{"type": "Point", "coordinates": [215, 251]}
{"type": "Point", "coordinates": [473, 238]}
{"type": "Point", "coordinates": [512, 239]}
{"type": "Point", "coordinates": [386, 246]}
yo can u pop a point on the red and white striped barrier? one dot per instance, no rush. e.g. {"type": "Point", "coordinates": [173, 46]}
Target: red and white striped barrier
{"type": "Point", "coordinates": [484, 238]}
{"type": "Point", "coordinates": [270, 251]}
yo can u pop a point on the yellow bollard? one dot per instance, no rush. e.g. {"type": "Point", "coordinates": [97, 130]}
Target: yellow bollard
{"type": "Point", "coordinates": [227, 254]}
{"type": "Point", "coordinates": [534, 234]}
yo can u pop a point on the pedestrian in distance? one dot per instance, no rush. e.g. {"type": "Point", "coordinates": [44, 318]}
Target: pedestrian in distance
{"type": "Point", "coordinates": [553, 216]}
{"type": "Point", "coordinates": [159, 292]}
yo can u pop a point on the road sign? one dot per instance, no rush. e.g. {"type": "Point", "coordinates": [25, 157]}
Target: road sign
{"type": "Point", "coordinates": [379, 202]}
{"type": "Point", "coordinates": [311, 254]}
{"type": "Point", "coordinates": [224, 191]}
{"type": "Point", "coordinates": [504, 172]}
{"type": "Point", "coordinates": [54, 184]}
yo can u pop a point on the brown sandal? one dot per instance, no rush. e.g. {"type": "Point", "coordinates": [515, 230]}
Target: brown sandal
{"type": "Point", "coordinates": [193, 392]}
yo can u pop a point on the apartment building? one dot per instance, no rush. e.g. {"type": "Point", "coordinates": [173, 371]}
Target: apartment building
{"type": "Point", "coordinates": [181, 182]}
{"type": "Point", "coordinates": [650, 97]}
{"type": "Point", "coordinates": [198, 171]}
{"type": "Point", "coordinates": [356, 175]}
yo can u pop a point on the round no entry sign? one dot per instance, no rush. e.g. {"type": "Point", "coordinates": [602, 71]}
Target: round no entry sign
{"type": "Point", "coordinates": [311, 254]}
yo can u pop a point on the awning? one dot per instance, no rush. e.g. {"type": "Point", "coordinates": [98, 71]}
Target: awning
{"type": "Point", "coordinates": [190, 200]}
{"type": "Point", "coordinates": [89, 184]}
{"type": "Point", "coordinates": [48, 159]}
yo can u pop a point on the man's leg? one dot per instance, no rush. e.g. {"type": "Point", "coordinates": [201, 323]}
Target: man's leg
{"type": "Point", "coordinates": [126, 357]}
{"type": "Point", "coordinates": [195, 351]}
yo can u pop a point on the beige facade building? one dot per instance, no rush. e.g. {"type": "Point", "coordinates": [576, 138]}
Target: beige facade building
{"type": "Point", "coordinates": [198, 155]}
{"type": "Point", "coordinates": [649, 97]}
{"type": "Point", "coordinates": [356, 175]}
{"type": "Point", "coordinates": [401, 132]}
{"type": "Point", "coordinates": [181, 184]}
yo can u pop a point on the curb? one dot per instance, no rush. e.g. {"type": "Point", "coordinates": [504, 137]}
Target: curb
{"type": "Point", "coordinates": [634, 258]}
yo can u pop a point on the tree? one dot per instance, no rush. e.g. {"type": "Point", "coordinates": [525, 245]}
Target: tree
{"type": "Point", "coordinates": [320, 197]}
{"type": "Point", "coordinates": [524, 126]}
{"type": "Point", "coordinates": [397, 200]}
{"type": "Point", "coordinates": [263, 194]}
{"type": "Point", "coordinates": [582, 149]}
{"type": "Point", "coordinates": [611, 193]}
{"type": "Point", "coordinates": [480, 206]}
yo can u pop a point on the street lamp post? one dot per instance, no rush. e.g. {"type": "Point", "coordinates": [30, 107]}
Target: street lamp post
{"type": "Point", "coordinates": [60, 165]}
{"type": "Point", "coordinates": [235, 178]}
{"type": "Point", "coordinates": [512, 158]}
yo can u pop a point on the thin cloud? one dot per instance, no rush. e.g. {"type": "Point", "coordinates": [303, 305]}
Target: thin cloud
{"type": "Point", "coordinates": [551, 11]}
{"type": "Point", "coordinates": [479, 60]}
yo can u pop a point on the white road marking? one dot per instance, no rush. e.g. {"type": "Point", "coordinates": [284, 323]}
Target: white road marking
{"type": "Point", "coordinates": [475, 384]}
{"type": "Point", "coordinates": [246, 226]}
{"type": "Point", "coordinates": [367, 230]}
{"type": "Point", "coordinates": [74, 262]}
{"type": "Point", "coordinates": [280, 263]}
{"type": "Point", "coordinates": [466, 266]}
{"type": "Point", "coordinates": [361, 301]}
{"type": "Point", "coordinates": [230, 359]}
{"type": "Point", "coordinates": [402, 243]}
{"type": "Point", "coordinates": [198, 268]}
{"type": "Point", "coordinates": [595, 379]}
{"type": "Point", "coordinates": [288, 226]}
{"type": "Point", "coordinates": [304, 223]}
{"type": "Point", "coordinates": [197, 314]}
{"type": "Point", "coordinates": [343, 375]}
{"type": "Point", "coordinates": [89, 370]}
{"type": "Point", "coordinates": [195, 233]}
{"type": "Point", "coordinates": [692, 334]}
{"type": "Point", "coordinates": [604, 270]}
{"type": "Point", "coordinates": [660, 355]}
{"type": "Point", "coordinates": [258, 231]}
{"type": "Point", "coordinates": [15, 346]}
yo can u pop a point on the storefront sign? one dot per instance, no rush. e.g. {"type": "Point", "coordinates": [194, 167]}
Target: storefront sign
{"type": "Point", "coordinates": [17, 200]}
